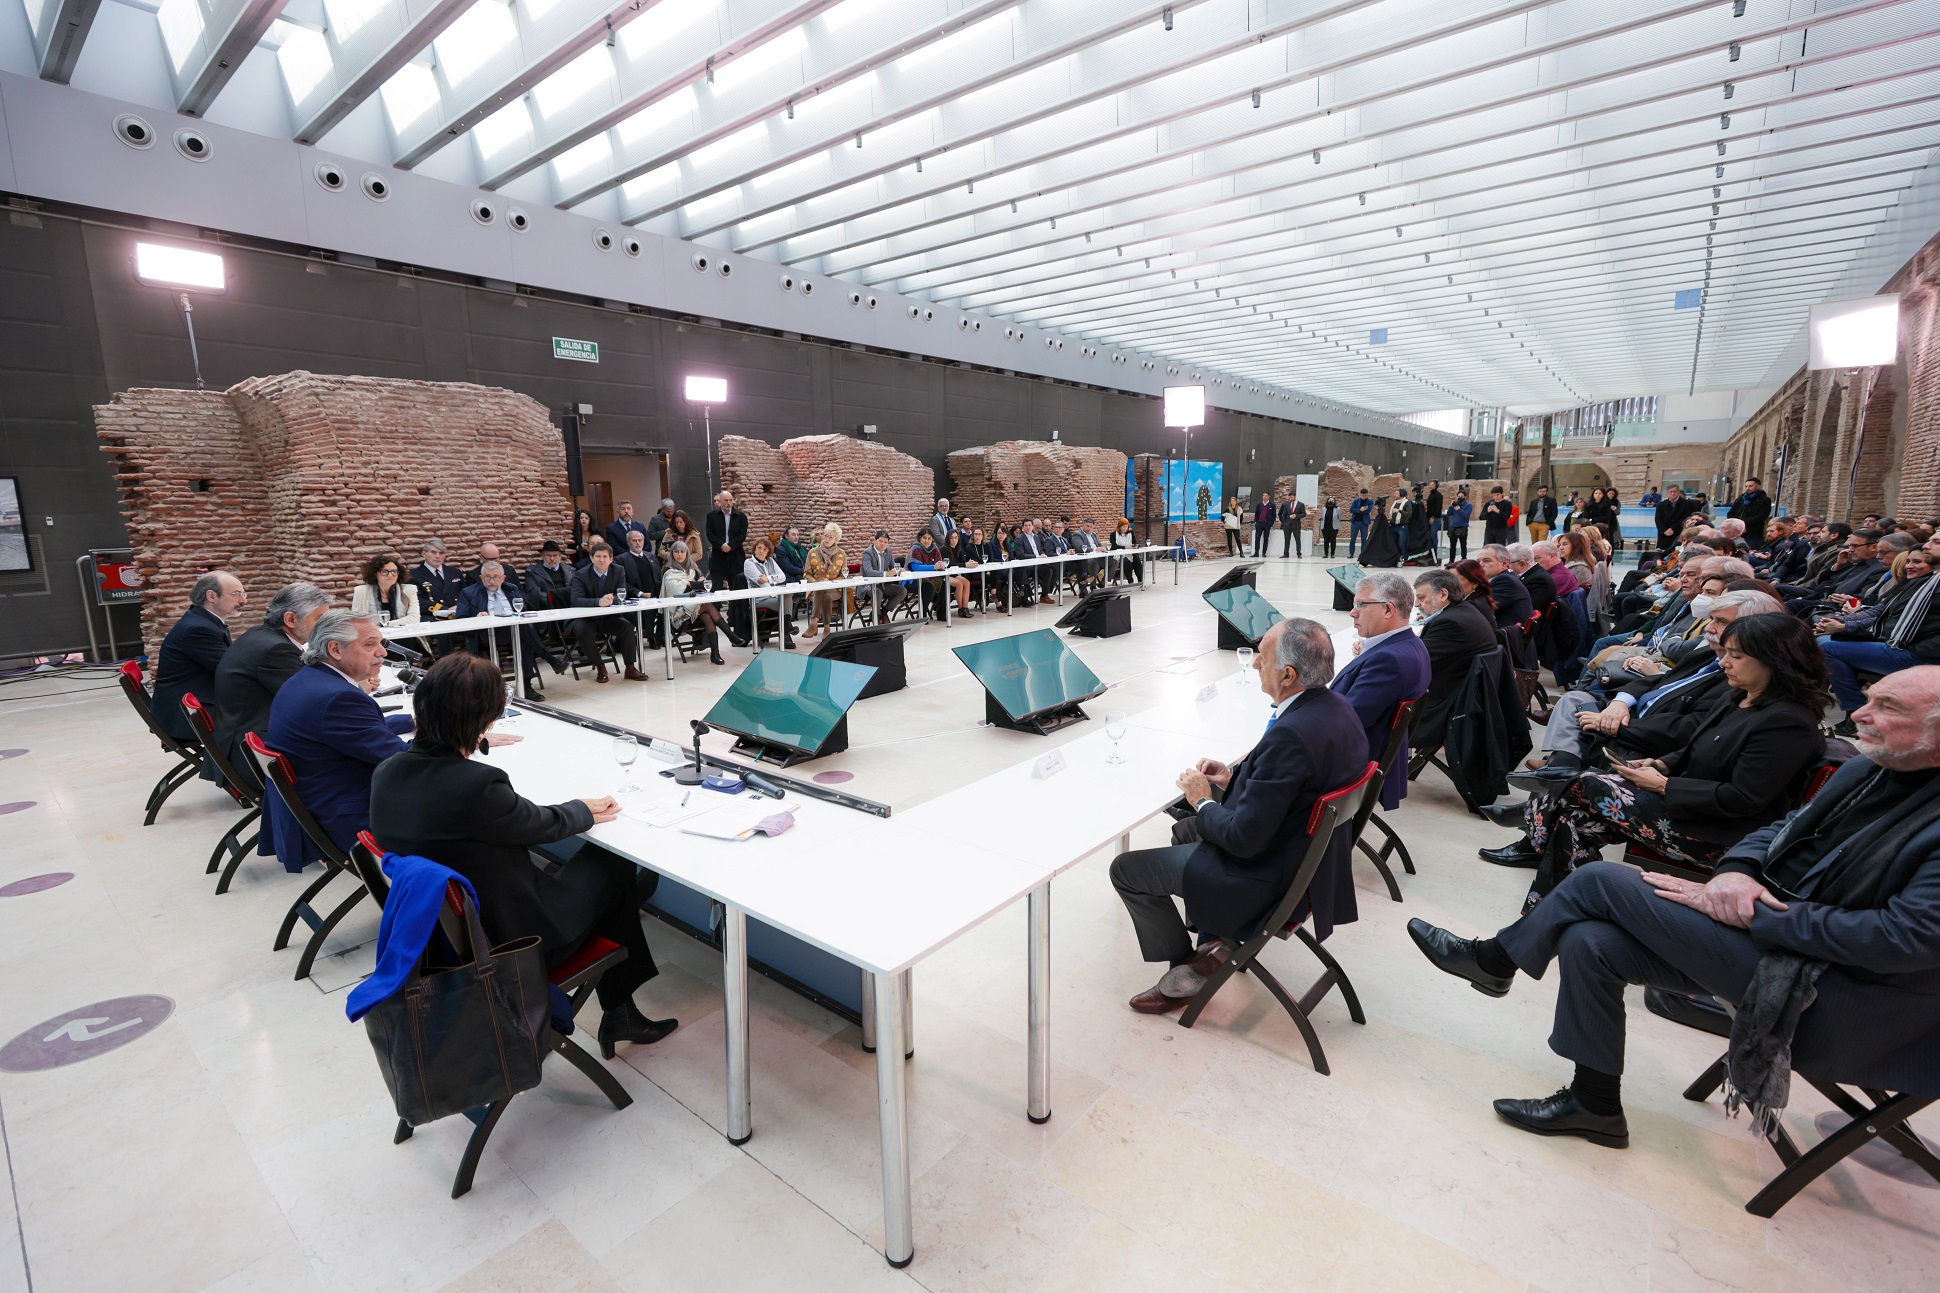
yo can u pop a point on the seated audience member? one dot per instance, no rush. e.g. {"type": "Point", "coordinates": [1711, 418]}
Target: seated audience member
{"type": "Point", "coordinates": [256, 667]}
{"type": "Point", "coordinates": [492, 597]}
{"type": "Point", "coordinates": [958, 556]}
{"type": "Point", "coordinates": [1453, 632]}
{"type": "Point", "coordinates": [879, 562]}
{"type": "Point", "coordinates": [638, 563]}
{"type": "Point", "coordinates": [761, 570]}
{"type": "Point", "coordinates": [1130, 566]}
{"type": "Point", "coordinates": [1251, 825]}
{"type": "Point", "coordinates": [1822, 929]}
{"type": "Point", "coordinates": [437, 583]}
{"type": "Point", "coordinates": [623, 525]}
{"type": "Point", "coordinates": [1677, 639]}
{"type": "Point", "coordinates": [1901, 632]}
{"type": "Point", "coordinates": [1549, 561]}
{"type": "Point", "coordinates": [439, 801]}
{"type": "Point", "coordinates": [1509, 594]}
{"type": "Point", "coordinates": [1579, 719]}
{"type": "Point", "coordinates": [1732, 531]}
{"type": "Point", "coordinates": [683, 579]}
{"type": "Point", "coordinates": [924, 552]}
{"type": "Point", "coordinates": [1475, 585]}
{"type": "Point", "coordinates": [679, 530]}
{"type": "Point", "coordinates": [548, 581]}
{"type": "Point", "coordinates": [657, 524]}
{"type": "Point", "coordinates": [602, 583]}
{"type": "Point", "coordinates": [1738, 766]}
{"type": "Point", "coordinates": [193, 649]}
{"type": "Point", "coordinates": [1033, 580]}
{"type": "Point", "coordinates": [993, 587]}
{"type": "Point", "coordinates": [791, 554]}
{"type": "Point", "coordinates": [826, 563]}
{"type": "Point", "coordinates": [1542, 588]}
{"type": "Point", "coordinates": [383, 594]}
{"type": "Point", "coordinates": [1390, 665]}
{"type": "Point", "coordinates": [325, 723]}
{"type": "Point", "coordinates": [486, 552]}
{"type": "Point", "coordinates": [1084, 538]}
{"type": "Point", "coordinates": [1856, 568]}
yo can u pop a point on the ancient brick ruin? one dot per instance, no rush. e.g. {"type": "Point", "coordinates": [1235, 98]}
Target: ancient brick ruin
{"type": "Point", "coordinates": [1013, 479]}
{"type": "Point", "coordinates": [811, 480]}
{"type": "Point", "coordinates": [304, 476]}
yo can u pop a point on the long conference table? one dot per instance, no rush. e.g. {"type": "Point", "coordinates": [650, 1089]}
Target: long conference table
{"type": "Point", "coordinates": [883, 892]}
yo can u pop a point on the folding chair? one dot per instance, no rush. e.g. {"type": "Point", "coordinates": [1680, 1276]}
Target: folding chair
{"type": "Point", "coordinates": [577, 976]}
{"type": "Point", "coordinates": [188, 752]}
{"type": "Point", "coordinates": [239, 789]}
{"type": "Point", "coordinates": [1366, 815]}
{"type": "Point", "coordinates": [1643, 855]}
{"type": "Point", "coordinates": [276, 772]}
{"type": "Point", "coordinates": [1331, 810]}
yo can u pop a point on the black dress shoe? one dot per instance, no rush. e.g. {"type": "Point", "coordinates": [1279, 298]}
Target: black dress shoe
{"type": "Point", "coordinates": [1509, 815]}
{"type": "Point", "coordinates": [1542, 781]}
{"type": "Point", "coordinates": [1562, 1115]}
{"type": "Point", "coordinates": [1456, 956]}
{"type": "Point", "coordinates": [627, 1024]}
{"type": "Point", "coordinates": [1519, 855]}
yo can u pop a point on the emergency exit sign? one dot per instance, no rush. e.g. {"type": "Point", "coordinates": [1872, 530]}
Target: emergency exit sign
{"type": "Point", "coordinates": [585, 352]}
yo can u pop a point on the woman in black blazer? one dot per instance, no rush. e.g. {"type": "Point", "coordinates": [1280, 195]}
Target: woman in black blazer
{"type": "Point", "coordinates": [1741, 766]}
{"type": "Point", "coordinates": [438, 802]}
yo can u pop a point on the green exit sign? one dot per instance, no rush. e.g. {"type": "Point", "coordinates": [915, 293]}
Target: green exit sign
{"type": "Point", "coordinates": [586, 352]}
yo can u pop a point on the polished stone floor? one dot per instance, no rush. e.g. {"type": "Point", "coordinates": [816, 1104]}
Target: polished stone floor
{"type": "Point", "coordinates": [246, 1142]}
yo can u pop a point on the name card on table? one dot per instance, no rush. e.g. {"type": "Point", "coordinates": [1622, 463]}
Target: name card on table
{"type": "Point", "coordinates": [1208, 693]}
{"type": "Point", "coordinates": [1048, 766]}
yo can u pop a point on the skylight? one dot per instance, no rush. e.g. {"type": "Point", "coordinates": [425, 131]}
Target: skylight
{"type": "Point", "coordinates": [661, 23]}
{"type": "Point", "coordinates": [656, 114]}
{"type": "Point", "coordinates": [410, 94]}
{"type": "Point", "coordinates": [595, 153]}
{"type": "Point", "coordinates": [304, 57]}
{"type": "Point", "coordinates": [468, 44]}
{"type": "Point", "coordinates": [348, 17]}
{"type": "Point", "coordinates": [509, 125]}
{"type": "Point", "coordinates": [572, 82]}
{"type": "Point", "coordinates": [181, 22]}
{"type": "Point", "coordinates": [763, 58]}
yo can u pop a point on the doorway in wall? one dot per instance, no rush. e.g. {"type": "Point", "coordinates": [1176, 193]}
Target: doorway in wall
{"type": "Point", "coordinates": [642, 478]}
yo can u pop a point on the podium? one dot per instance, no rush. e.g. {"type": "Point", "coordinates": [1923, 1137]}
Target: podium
{"type": "Point", "coordinates": [1106, 613]}
{"type": "Point", "coordinates": [878, 646]}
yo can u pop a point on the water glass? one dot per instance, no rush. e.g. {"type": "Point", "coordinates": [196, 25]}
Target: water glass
{"type": "Point", "coordinates": [518, 604]}
{"type": "Point", "coordinates": [1115, 723]}
{"type": "Point", "coordinates": [626, 748]}
{"type": "Point", "coordinates": [1245, 661]}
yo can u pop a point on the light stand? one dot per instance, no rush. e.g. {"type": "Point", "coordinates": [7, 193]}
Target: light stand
{"type": "Point", "coordinates": [706, 392]}
{"type": "Point", "coordinates": [188, 321]}
{"type": "Point", "coordinates": [707, 431]}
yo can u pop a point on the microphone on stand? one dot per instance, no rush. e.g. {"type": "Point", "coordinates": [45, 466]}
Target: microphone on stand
{"type": "Point", "coordinates": [693, 774]}
{"type": "Point", "coordinates": [404, 653]}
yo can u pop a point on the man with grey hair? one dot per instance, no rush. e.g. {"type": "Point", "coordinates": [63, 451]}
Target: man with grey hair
{"type": "Point", "coordinates": [325, 723]}
{"type": "Point", "coordinates": [1539, 583]}
{"type": "Point", "coordinates": [258, 665]}
{"type": "Point", "coordinates": [187, 661]}
{"type": "Point", "coordinates": [438, 586]}
{"type": "Point", "coordinates": [657, 524]}
{"type": "Point", "coordinates": [942, 524]}
{"type": "Point", "coordinates": [1390, 666]}
{"type": "Point", "coordinates": [1823, 927]}
{"type": "Point", "coordinates": [1251, 825]}
{"type": "Point", "coordinates": [492, 598]}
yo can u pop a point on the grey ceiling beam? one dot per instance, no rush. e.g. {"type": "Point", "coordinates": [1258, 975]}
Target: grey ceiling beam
{"type": "Point", "coordinates": [64, 26]}
{"type": "Point", "coordinates": [422, 21]}
{"type": "Point", "coordinates": [232, 29]}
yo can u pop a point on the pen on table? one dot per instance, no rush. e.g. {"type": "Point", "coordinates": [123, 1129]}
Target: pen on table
{"type": "Point", "coordinates": [684, 798]}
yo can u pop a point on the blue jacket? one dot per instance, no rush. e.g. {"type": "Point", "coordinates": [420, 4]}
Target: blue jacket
{"type": "Point", "coordinates": [471, 601]}
{"type": "Point", "coordinates": [1360, 510]}
{"type": "Point", "coordinates": [410, 917]}
{"type": "Point", "coordinates": [1251, 842]}
{"type": "Point", "coordinates": [1458, 515]}
{"type": "Point", "coordinates": [187, 663]}
{"type": "Point", "coordinates": [334, 735]}
{"type": "Point", "coordinates": [1374, 682]}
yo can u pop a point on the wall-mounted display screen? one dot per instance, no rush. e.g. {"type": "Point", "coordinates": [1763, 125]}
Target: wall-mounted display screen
{"type": "Point", "coordinates": [14, 552]}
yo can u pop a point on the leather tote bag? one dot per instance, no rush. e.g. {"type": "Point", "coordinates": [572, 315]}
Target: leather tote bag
{"type": "Point", "coordinates": [467, 1036]}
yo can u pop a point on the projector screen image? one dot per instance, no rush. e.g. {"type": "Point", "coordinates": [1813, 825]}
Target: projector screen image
{"type": "Point", "coordinates": [1250, 614]}
{"type": "Point", "coordinates": [790, 700]}
{"type": "Point", "coordinates": [13, 528]}
{"type": "Point", "coordinates": [1030, 673]}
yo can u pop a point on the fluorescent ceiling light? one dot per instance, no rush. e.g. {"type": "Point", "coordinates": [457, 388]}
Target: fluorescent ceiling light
{"type": "Point", "coordinates": [1185, 406]}
{"type": "Point", "coordinates": [1862, 333]}
{"type": "Point", "coordinates": [165, 266]}
{"type": "Point", "coordinates": [707, 390]}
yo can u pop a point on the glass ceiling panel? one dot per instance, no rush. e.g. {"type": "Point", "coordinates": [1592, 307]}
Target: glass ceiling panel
{"type": "Point", "coordinates": [661, 23]}
{"type": "Point", "coordinates": [304, 57]}
{"type": "Point", "coordinates": [468, 44]}
{"type": "Point", "coordinates": [348, 17]}
{"type": "Point", "coordinates": [181, 22]}
{"type": "Point", "coordinates": [589, 72]}
{"type": "Point", "coordinates": [409, 96]}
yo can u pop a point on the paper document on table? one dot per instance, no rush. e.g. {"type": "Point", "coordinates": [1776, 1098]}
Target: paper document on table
{"type": "Point", "coordinates": [740, 822]}
{"type": "Point", "coordinates": [666, 814]}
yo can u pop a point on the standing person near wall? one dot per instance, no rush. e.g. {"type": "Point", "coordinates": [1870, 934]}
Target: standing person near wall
{"type": "Point", "coordinates": [1293, 519]}
{"type": "Point", "coordinates": [1230, 520]}
{"type": "Point", "coordinates": [1431, 503]}
{"type": "Point", "coordinates": [1498, 518]}
{"type": "Point", "coordinates": [1457, 521]}
{"type": "Point", "coordinates": [1542, 514]}
{"type": "Point", "coordinates": [1360, 514]}
{"type": "Point", "coordinates": [1263, 516]}
{"type": "Point", "coordinates": [1329, 526]}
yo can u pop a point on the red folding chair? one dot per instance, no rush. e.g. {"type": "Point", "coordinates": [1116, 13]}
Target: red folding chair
{"type": "Point", "coordinates": [1643, 855]}
{"type": "Point", "coordinates": [1366, 816]}
{"type": "Point", "coordinates": [239, 789]}
{"type": "Point", "coordinates": [189, 753]}
{"type": "Point", "coordinates": [277, 773]}
{"type": "Point", "coordinates": [577, 976]}
{"type": "Point", "coordinates": [1331, 811]}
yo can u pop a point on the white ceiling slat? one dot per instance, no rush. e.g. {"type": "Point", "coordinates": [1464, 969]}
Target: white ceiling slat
{"type": "Point", "coordinates": [370, 56]}
{"type": "Point", "coordinates": [62, 29]}
{"type": "Point", "coordinates": [229, 30]}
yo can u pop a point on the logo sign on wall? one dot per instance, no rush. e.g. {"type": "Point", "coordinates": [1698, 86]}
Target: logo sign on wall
{"type": "Point", "coordinates": [115, 576]}
{"type": "Point", "coordinates": [585, 352]}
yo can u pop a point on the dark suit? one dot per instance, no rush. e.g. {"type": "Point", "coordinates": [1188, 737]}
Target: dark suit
{"type": "Point", "coordinates": [187, 663]}
{"type": "Point", "coordinates": [1292, 516]}
{"type": "Point", "coordinates": [333, 734]}
{"type": "Point", "coordinates": [1671, 515]}
{"type": "Point", "coordinates": [1541, 586]}
{"type": "Point", "coordinates": [437, 586]}
{"type": "Point", "coordinates": [474, 601]}
{"type": "Point", "coordinates": [1495, 521]}
{"type": "Point", "coordinates": [548, 589]}
{"type": "Point", "coordinates": [643, 571]}
{"type": "Point", "coordinates": [1262, 526]}
{"type": "Point", "coordinates": [1025, 547]}
{"type": "Point", "coordinates": [1512, 605]}
{"type": "Point", "coordinates": [728, 569]}
{"type": "Point", "coordinates": [1395, 669]}
{"type": "Point", "coordinates": [1251, 842]}
{"type": "Point", "coordinates": [464, 814]}
{"type": "Point", "coordinates": [247, 680]}
{"type": "Point", "coordinates": [588, 587]}
{"type": "Point", "coordinates": [1462, 631]}
{"type": "Point", "coordinates": [616, 534]}
{"type": "Point", "coordinates": [1754, 508]}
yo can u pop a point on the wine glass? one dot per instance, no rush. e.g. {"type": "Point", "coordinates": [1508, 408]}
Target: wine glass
{"type": "Point", "coordinates": [1245, 660]}
{"type": "Point", "coordinates": [1115, 723]}
{"type": "Point", "coordinates": [518, 604]}
{"type": "Point", "coordinates": [626, 748]}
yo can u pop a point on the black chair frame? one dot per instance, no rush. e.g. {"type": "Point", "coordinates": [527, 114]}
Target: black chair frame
{"type": "Point", "coordinates": [1367, 816]}
{"type": "Point", "coordinates": [188, 753]}
{"type": "Point", "coordinates": [239, 789]}
{"type": "Point", "coordinates": [1333, 810]}
{"type": "Point", "coordinates": [578, 978]}
{"type": "Point", "coordinates": [276, 773]}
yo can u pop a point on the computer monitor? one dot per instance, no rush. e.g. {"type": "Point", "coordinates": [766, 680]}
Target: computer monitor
{"type": "Point", "coordinates": [880, 646]}
{"type": "Point", "coordinates": [1235, 577]}
{"type": "Point", "coordinates": [1244, 616]}
{"type": "Point", "coordinates": [787, 707]}
{"type": "Point", "coordinates": [1032, 682]}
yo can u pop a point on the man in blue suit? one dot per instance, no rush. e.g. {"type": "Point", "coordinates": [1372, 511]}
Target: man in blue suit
{"type": "Point", "coordinates": [334, 735]}
{"type": "Point", "coordinates": [1390, 665]}
{"type": "Point", "coordinates": [490, 597]}
{"type": "Point", "coordinates": [1251, 823]}
{"type": "Point", "coordinates": [193, 648]}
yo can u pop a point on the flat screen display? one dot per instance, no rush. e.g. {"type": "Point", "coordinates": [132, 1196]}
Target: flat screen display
{"type": "Point", "coordinates": [1347, 576]}
{"type": "Point", "coordinates": [1234, 576]}
{"type": "Point", "coordinates": [1030, 673]}
{"type": "Point", "coordinates": [790, 700]}
{"type": "Point", "coordinates": [1250, 614]}
{"type": "Point", "coordinates": [14, 554]}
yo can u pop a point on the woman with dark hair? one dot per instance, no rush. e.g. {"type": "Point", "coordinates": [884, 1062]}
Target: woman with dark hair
{"type": "Point", "coordinates": [437, 801]}
{"type": "Point", "coordinates": [680, 529]}
{"type": "Point", "coordinates": [583, 536]}
{"type": "Point", "coordinates": [384, 594]}
{"type": "Point", "coordinates": [1475, 584]}
{"type": "Point", "coordinates": [1741, 765]}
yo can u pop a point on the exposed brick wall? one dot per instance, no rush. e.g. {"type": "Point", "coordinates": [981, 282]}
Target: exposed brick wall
{"type": "Point", "coordinates": [307, 475]}
{"type": "Point", "coordinates": [1919, 496]}
{"type": "Point", "coordinates": [811, 480]}
{"type": "Point", "coordinates": [1013, 479]}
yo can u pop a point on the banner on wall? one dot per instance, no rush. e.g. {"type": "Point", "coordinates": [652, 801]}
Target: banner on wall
{"type": "Point", "coordinates": [1193, 490]}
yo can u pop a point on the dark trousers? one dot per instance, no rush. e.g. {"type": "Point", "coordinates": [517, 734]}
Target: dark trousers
{"type": "Point", "coordinates": [1458, 544]}
{"type": "Point", "coordinates": [615, 629]}
{"type": "Point", "coordinates": [1147, 881]}
{"type": "Point", "coordinates": [1497, 534]}
{"type": "Point", "coordinates": [529, 645]}
{"type": "Point", "coordinates": [1235, 546]}
{"type": "Point", "coordinates": [613, 885]}
{"type": "Point", "coordinates": [1329, 542]}
{"type": "Point", "coordinates": [1609, 929]}
{"type": "Point", "coordinates": [1290, 540]}
{"type": "Point", "coordinates": [724, 574]}
{"type": "Point", "coordinates": [1262, 535]}
{"type": "Point", "coordinates": [1356, 535]}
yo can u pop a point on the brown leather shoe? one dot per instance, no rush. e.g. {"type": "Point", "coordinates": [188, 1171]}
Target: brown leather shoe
{"type": "Point", "coordinates": [601, 675]}
{"type": "Point", "coordinates": [1153, 1002]}
{"type": "Point", "coordinates": [1208, 958]}
{"type": "Point", "coordinates": [634, 675]}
